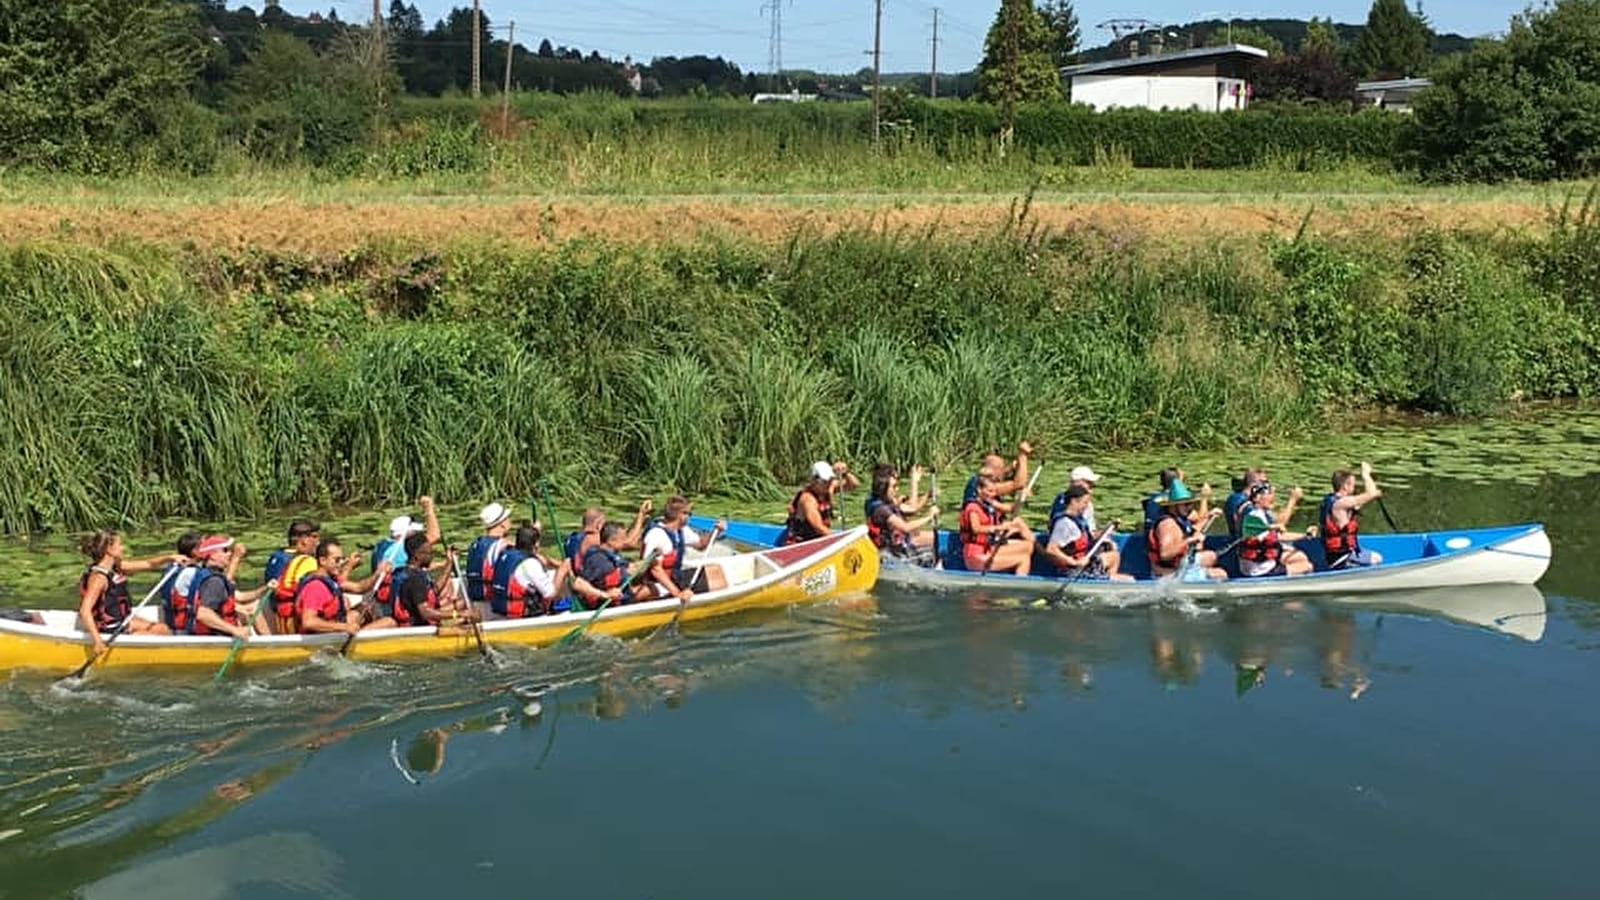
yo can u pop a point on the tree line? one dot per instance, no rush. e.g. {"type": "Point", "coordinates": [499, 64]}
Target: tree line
{"type": "Point", "coordinates": [94, 84]}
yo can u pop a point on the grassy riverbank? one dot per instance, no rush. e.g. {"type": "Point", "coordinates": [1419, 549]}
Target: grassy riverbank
{"type": "Point", "coordinates": [148, 379]}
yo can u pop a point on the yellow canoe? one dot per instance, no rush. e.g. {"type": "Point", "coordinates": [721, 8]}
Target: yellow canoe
{"type": "Point", "coordinates": [837, 565]}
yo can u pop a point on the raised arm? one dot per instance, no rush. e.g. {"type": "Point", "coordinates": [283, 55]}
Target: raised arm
{"type": "Point", "coordinates": [430, 519]}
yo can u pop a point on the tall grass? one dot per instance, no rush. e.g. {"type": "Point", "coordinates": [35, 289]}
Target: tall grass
{"type": "Point", "coordinates": [141, 382]}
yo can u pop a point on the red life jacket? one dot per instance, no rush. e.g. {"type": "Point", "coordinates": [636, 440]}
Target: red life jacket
{"type": "Point", "coordinates": [339, 611]}
{"type": "Point", "coordinates": [195, 626]}
{"type": "Point", "coordinates": [1080, 544]}
{"type": "Point", "coordinates": [175, 610]}
{"type": "Point", "coordinates": [283, 595]}
{"type": "Point", "coordinates": [395, 607]}
{"type": "Point", "coordinates": [1153, 549]}
{"type": "Point", "coordinates": [480, 566]}
{"type": "Point", "coordinates": [1263, 547]}
{"type": "Point", "coordinates": [509, 597]}
{"type": "Point", "coordinates": [113, 605]}
{"type": "Point", "coordinates": [672, 562]}
{"type": "Point", "coordinates": [1338, 541]}
{"type": "Point", "coordinates": [991, 516]}
{"type": "Point", "coordinates": [883, 537]}
{"type": "Point", "coordinates": [604, 568]}
{"type": "Point", "coordinates": [797, 528]}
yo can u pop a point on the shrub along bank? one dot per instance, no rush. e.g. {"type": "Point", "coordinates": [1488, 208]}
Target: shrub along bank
{"type": "Point", "coordinates": [144, 381]}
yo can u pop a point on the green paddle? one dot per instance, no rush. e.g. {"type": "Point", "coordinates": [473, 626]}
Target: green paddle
{"type": "Point", "coordinates": [574, 634]}
{"type": "Point", "coordinates": [272, 587]}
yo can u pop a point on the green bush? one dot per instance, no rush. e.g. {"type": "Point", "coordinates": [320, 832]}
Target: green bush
{"type": "Point", "coordinates": [140, 382]}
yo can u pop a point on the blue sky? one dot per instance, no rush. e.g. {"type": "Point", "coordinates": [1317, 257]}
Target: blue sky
{"type": "Point", "coordinates": [833, 35]}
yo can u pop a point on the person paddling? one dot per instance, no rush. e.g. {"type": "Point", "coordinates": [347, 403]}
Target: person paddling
{"type": "Point", "coordinates": [1151, 504]}
{"type": "Point", "coordinates": [418, 597]}
{"type": "Point", "coordinates": [604, 568]}
{"type": "Point", "coordinates": [208, 602]}
{"type": "Point", "coordinates": [1007, 480]}
{"type": "Point", "coordinates": [1263, 544]}
{"type": "Point", "coordinates": [287, 567]}
{"type": "Point", "coordinates": [1233, 506]}
{"type": "Point", "coordinates": [484, 551]}
{"type": "Point", "coordinates": [594, 518]}
{"type": "Point", "coordinates": [668, 538]}
{"type": "Point", "coordinates": [811, 510]}
{"type": "Point", "coordinates": [888, 515]}
{"type": "Point", "coordinates": [1340, 518]}
{"type": "Point", "coordinates": [319, 605]}
{"type": "Point", "coordinates": [989, 541]}
{"type": "Point", "coordinates": [1170, 538]}
{"type": "Point", "coordinates": [1072, 543]}
{"type": "Point", "coordinates": [103, 602]}
{"type": "Point", "coordinates": [528, 583]}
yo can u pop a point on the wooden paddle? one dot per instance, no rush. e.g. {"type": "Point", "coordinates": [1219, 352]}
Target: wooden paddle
{"type": "Point", "coordinates": [933, 496]}
{"type": "Point", "coordinates": [123, 628]}
{"type": "Point", "coordinates": [477, 627]}
{"type": "Point", "coordinates": [574, 634]}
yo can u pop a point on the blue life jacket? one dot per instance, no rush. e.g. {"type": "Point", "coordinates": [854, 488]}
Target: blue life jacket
{"type": "Point", "coordinates": [1058, 508]}
{"type": "Point", "coordinates": [1152, 510]}
{"type": "Point", "coordinates": [500, 584]}
{"type": "Point", "coordinates": [673, 562]}
{"type": "Point", "coordinates": [970, 493]}
{"type": "Point", "coordinates": [1233, 511]}
{"type": "Point", "coordinates": [571, 544]}
{"type": "Point", "coordinates": [378, 551]}
{"type": "Point", "coordinates": [480, 571]}
{"type": "Point", "coordinates": [276, 564]}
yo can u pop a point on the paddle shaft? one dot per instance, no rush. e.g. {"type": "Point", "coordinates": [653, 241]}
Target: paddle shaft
{"type": "Point", "coordinates": [1383, 508]}
{"type": "Point", "coordinates": [574, 634]}
{"type": "Point", "coordinates": [127, 621]}
{"type": "Point", "coordinates": [477, 627]}
{"type": "Point", "coordinates": [1105, 534]}
{"type": "Point", "coordinates": [261, 604]}
{"type": "Point", "coordinates": [933, 496]}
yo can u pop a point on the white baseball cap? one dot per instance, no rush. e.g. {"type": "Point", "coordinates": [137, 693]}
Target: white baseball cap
{"type": "Point", "coordinates": [821, 471]}
{"type": "Point", "coordinates": [1084, 473]}
{"type": "Point", "coordinates": [400, 526]}
{"type": "Point", "coordinates": [493, 515]}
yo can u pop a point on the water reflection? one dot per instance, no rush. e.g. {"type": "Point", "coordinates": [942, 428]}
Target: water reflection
{"type": "Point", "coordinates": [122, 770]}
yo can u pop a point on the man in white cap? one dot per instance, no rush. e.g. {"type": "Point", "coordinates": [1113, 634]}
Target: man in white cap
{"type": "Point", "coordinates": [481, 556]}
{"type": "Point", "coordinates": [1085, 477]}
{"type": "Point", "coordinates": [811, 510]}
{"type": "Point", "coordinates": [392, 549]}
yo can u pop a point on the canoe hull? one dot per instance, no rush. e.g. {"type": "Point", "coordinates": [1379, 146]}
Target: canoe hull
{"type": "Point", "coordinates": [1518, 554]}
{"type": "Point", "coordinates": [839, 565]}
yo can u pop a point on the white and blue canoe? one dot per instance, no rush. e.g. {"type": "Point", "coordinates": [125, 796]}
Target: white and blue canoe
{"type": "Point", "coordinates": [1509, 554]}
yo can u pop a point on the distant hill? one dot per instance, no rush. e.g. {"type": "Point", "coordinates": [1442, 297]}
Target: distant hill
{"type": "Point", "coordinates": [1289, 32]}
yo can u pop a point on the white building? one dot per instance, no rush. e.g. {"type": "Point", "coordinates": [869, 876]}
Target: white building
{"type": "Point", "coordinates": [1206, 78]}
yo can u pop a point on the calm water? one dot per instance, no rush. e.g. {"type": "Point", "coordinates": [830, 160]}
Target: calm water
{"type": "Point", "coordinates": [924, 745]}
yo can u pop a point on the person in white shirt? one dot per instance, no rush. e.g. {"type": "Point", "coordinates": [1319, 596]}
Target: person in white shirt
{"type": "Point", "coordinates": [669, 537]}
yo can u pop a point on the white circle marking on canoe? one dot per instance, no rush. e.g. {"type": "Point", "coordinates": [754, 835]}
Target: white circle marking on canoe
{"type": "Point", "coordinates": [1458, 543]}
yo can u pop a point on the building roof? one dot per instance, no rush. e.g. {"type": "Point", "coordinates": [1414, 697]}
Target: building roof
{"type": "Point", "coordinates": [1397, 84]}
{"type": "Point", "coordinates": [1115, 66]}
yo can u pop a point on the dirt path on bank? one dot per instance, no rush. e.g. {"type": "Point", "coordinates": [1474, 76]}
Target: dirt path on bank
{"type": "Point", "coordinates": [319, 227]}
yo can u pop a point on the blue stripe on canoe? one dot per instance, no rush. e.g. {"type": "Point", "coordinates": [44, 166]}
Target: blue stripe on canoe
{"type": "Point", "coordinates": [1395, 548]}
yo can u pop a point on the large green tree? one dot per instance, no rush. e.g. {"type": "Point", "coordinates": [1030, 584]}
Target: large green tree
{"type": "Point", "coordinates": [1395, 44]}
{"type": "Point", "coordinates": [1063, 22]}
{"type": "Point", "coordinates": [1525, 107]}
{"type": "Point", "coordinates": [1321, 38]}
{"type": "Point", "coordinates": [1018, 64]}
{"type": "Point", "coordinates": [83, 82]}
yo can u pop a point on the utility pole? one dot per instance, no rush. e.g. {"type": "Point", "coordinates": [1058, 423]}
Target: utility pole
{"type": "Point", "coordinates": [505, 92]}
{"type": "Point", "coordinates": [877, 58]}
{"type": "Point", "coordinates": [774, 8]}
{"type": "Point", "coordinates": [933, 69]}
{"type": "Point", "coordinates": [477, 51]}
{"type": "Point", "coordinates": [1009, 10]}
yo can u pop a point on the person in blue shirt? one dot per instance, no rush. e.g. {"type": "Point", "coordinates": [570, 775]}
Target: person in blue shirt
{"type": "Point", "coordinates": [1233, 507]}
